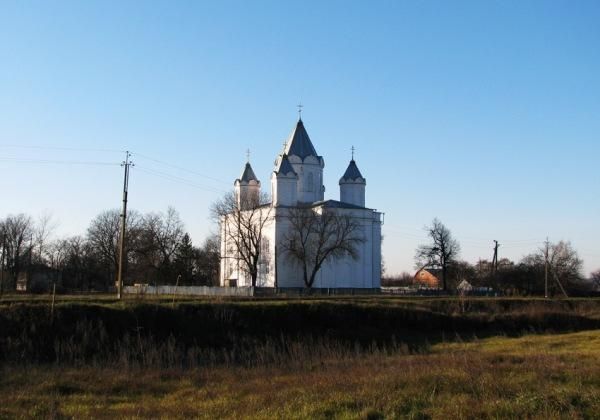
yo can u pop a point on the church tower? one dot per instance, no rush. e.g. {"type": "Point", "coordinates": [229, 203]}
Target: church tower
{"type": "Point", "coordinates": [306, 163]}
{"type": "Point", "coordinates": [284, 184]}
{"type": "Point", "coordinates": [352, 186]}
{"type": "Point", "coordinates": [247, 188]}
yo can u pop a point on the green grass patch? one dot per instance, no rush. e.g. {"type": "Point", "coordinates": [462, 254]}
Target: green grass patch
{"type": "Point", "coordinates": [532, 376]}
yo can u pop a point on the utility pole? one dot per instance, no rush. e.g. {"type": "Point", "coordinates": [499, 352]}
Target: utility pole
{"type": "Point", "coordinates": [126, 164]}
{"type": "Point", "coordinates": [546, 269]}
{"type": "Point", "coordinates": [495, 259]}
{"type": "Point", "coordinates": [2, 264]}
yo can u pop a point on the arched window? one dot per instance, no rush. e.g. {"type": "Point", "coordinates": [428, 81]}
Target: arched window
{"type": "Point", "coordinates": [310, 182]}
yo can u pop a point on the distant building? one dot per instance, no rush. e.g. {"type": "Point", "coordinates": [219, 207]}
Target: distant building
{"type": "Point", "coordinates": [38, 278]}
{"type": "Point", "coordinates": [425, 278]}
{"type": "Point", "coordinates": [464, 286]}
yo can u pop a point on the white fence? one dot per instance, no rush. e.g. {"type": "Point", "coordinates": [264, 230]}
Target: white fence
{"type": "Point", "coordinates": [143, 289]}
{"type": "Point", "coordinates": [189, 290]}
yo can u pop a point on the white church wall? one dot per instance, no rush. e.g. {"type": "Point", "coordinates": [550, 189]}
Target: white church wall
{"type": "Point", "coordinates": [310, 178]}
{"type": "Point", "coordinates": [376, 249]}
{"type": "Point", "coordinates": [233, 270]}
{"type": "Point", "coordinates": [345, 272]}
{"type": "Point", "coordinates": [353, 193]}
{"type": "Point", "coordinates": [266, 266]}
{"type": "Point", "coordinates": [288, 273]}
{"type": "Point", "coordinates": [284, 190]}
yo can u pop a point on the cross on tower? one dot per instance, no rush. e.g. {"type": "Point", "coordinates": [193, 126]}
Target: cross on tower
{"type": "Point", "coordinates": [300, 106]}
{"type": "Point", "coordinates": [352, 152]}
{"type": "Point", "coordinates": [248, 155]}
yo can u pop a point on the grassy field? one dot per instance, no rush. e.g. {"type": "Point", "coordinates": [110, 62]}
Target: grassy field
{"type": "Point", "coordinates": [192, 333]}
{"type": "Point", "coordinates": [534, 376]}
{"type": "Point", "coordinates": [317, 357]}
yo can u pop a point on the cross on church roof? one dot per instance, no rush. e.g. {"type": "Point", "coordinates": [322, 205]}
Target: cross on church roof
{"type": "Point", "coordinates": [300, 106]}
{"type": "Point", "coordinates": [353, 152]}
{"type": "Point", "coordinates": [248, 155]}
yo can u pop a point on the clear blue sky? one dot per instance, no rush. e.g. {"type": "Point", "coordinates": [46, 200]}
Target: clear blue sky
{"type": "Point", "coordinates": [485, 114]}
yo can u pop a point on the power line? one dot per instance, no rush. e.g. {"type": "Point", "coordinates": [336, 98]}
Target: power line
{"type": "Point", "coordinates": [393, 231]}
{"type": "Point", "coordinates": [101, 150]}
{"type": "Point", "coordinates": [72, 149]}
{"type": "Point", "coordinates": [468, 239]}
{"type": "Point", "coordinates": [180, 168]}
{"type": "Point", "coordinates": [177, 179]}
{"type": "Point", "coordinates": [57, 162]}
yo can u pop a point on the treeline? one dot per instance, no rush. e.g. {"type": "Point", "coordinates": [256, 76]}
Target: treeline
{"type": "Point", "coordinates": [556, 268]}
{"type": "Point", "coordinates": [158, 251]}
{"type": "Point", "coordinates": [526, 277]}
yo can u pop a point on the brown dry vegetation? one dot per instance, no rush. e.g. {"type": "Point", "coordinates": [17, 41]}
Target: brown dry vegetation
{"type": "Point", "coordinates": [355, 357]}
{"type": "Point", "coordinates": [535, 376]}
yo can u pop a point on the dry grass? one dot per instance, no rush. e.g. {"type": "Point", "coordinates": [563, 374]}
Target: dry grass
{"type": "Point", "coordinates": [265, 332]}
{"type": "Point", "coordinates": [535, 376]}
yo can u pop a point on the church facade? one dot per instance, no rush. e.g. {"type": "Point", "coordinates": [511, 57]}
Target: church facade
{"type": "Point", "coordinates": [297, 182]}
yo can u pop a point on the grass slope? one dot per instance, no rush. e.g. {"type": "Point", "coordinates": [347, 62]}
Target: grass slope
{"type": "Point", "coordinates": [534, 376]}
{"type": "Point", "coordinates": [250, 332]}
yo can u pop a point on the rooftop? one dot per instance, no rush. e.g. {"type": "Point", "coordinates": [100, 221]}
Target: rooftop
{"type": "Point", "coordinates": [352, 173]}
{"type": "Point", "coordinates": [299, 143]}
{"type": "Point", "coordinates": [248, 174]}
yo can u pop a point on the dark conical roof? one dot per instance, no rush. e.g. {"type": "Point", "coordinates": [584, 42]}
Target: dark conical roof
{"type": "Point", "coordinates": [285, 167]}
{"type": "Point", "coordinates": [248, 174]}
{"type": "Point", "coordinates": [352, 173]}
{"type": "Point", "coordinates": [299, 143]}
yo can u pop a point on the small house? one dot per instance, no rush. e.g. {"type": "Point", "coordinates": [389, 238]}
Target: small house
{"type": "Point", "coordinates": [425, 278]}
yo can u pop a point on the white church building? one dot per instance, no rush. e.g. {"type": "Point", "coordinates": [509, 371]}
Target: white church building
{"type": "Point", "coordinates": [297, 181]}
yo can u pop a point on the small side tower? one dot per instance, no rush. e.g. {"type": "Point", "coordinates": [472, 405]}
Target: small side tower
{"type": "Point", "coordinates": [284, 184]}
{"type": "Point", "coordinates": [352, 186]}
{"type": "Point", "coordinates": [247, 188]}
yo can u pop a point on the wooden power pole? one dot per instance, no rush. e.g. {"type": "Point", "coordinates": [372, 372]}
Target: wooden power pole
{"type": "Point", "coordinates": [2, 264]}
{"type": "Point", "coordinates": [495, 258]}
{"type": "Point", "coordinates": [126, 164]}
{"type": "Point", "coordinates": [546, 269]}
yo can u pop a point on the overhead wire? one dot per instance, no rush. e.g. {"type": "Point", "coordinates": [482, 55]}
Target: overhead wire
{"type": "Point", "coordinates": [73, 149]}
{"type": "Point", "coordinates": [396, 230]}
{"type": "Point", "coordinates": [161, 162]}
{"type": "Point", "coordinates": [57, 162]}
{"type": "Point", "coordinates": [177, 179]}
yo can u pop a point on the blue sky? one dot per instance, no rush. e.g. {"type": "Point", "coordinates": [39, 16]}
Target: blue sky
{"type": "Point", "coordinates": [485, 114]}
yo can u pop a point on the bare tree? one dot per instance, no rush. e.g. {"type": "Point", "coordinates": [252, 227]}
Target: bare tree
{"type": "Point", "coordinates": [404, 279]}
{"type": "Point", "coordinates": [317, 235]}
{"type": "Point", "coordinates": [565, 264]}
{"type": "Point", "coordinates": [564, 268]}
{"type": "Point", "coordinates": [58, 252]}
{"type": "Point", "coordinates": [44, 229]}
{"type": "Point", "coordinates": [441, 253]}
{"type": "Point", "coordinates": [103, 235]}
{"type": "Point", "coordinates": [160, 236]}
{"type": "Point", "coordinates": [242, 223]}
{"type": "Point", "coordinates": [595, 277]}
{"type": "Point", "coordinates": [208, 260]}
{"type": "Point", "coordinates": [17, 232]}
{"type": "Point", "coordinates": [80, 265]}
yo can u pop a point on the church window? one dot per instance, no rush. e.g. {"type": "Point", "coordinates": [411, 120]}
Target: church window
{"type": "Point", "coordinates": [265, 257]}
{"type": "Point", "coordinates": [310, 182]}
{"type": "Point", "coordinates": [264, 248]}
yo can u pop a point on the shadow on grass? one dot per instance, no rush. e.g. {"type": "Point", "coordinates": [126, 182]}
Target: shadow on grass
{"type": "Point", "coordinates": [265, 333]}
